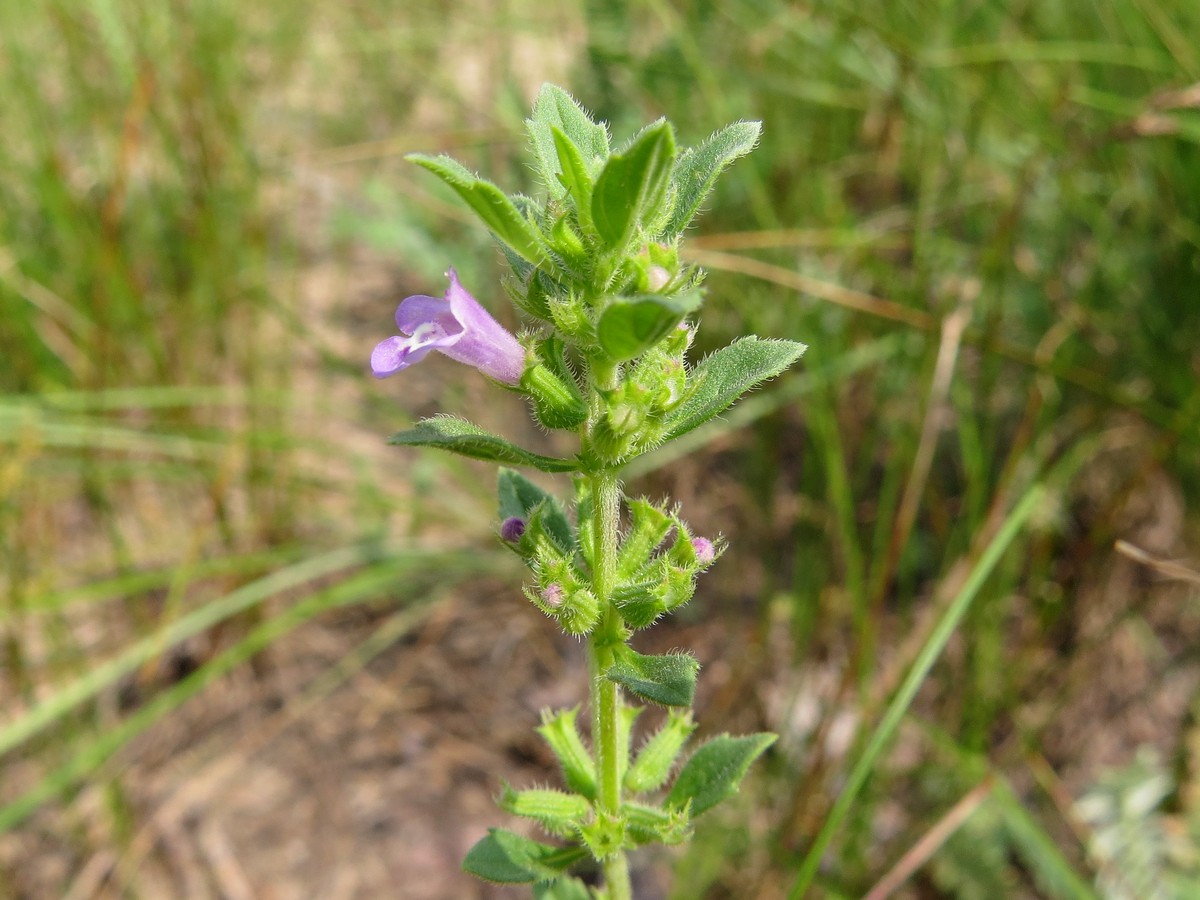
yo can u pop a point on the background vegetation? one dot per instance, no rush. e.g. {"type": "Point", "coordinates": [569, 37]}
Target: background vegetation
{"type": "Point", "coordinates": [984, 218]}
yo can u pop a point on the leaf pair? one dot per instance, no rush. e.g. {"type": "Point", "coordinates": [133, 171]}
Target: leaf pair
{"type": "Point", "coordinates": [719, 381]}
{"type": "Point", "coordinates": [613, 193]}
{"type": "Point", "coordinates": [712, 774]}
{"type": "Point", "coordinates": [647, 182]}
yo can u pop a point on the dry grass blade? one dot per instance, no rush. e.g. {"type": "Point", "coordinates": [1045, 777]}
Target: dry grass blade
{"type": "Point", "coordinates": [1165, 567]}
{"type": "Point", "coordinates": [824, 290]}
{"type": "Point", "coordinates": [928, 845]}
{"type": "Point", "coordinates": [953, 329]}
{"type": "Point", "coordinates": [798, 237]}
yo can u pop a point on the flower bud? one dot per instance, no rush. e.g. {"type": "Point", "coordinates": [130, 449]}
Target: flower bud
{"type": "Point", "coordinates": [677, 587]}
{"type": "Point", "coordinates": [627, 408]}
{"type": "Point", "coordinates": [562, 594]}
{"type": "Point", "coordinates": [647, 531]}
{"type": "Point", "coordinates": [625, 418]}
{"type": "Point", "coordinates": [639, 604]}
{"type": "Point", "coordinates": [532, 295]}
{"type": "Point", "coordinates": [679, 341]}
{"type": "Point", "coordinates": [580, 612]}
{"type": "Point", "coordinates": [552, 595]}
{"type": "Point", "coordinates": [674, 385]}
{"type": "Point", "coordinates": [557, 402]}
{"type": "Point", "coordinates": [690, 552]}
{"type": "Point", "coordinates": [657, 278]}
{"type": "Point", "coordinates": [570, 316]}
{"type": "Point", "coordinates": [511, 529]}
{"type": "Point", "coordinates": [607, 444]}
{"type": "Point", "coordinates": [567, 241]}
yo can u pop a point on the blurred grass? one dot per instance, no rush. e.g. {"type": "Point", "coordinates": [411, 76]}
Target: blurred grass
{"type": "Point", "coordinates": [984, 219]}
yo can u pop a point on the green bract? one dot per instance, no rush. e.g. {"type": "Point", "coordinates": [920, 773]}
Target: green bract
{"type": "Point", "coordinates": [595, 264]}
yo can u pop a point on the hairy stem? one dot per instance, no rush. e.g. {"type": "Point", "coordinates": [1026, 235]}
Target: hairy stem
{"type": "Point", "coordinates": [606, 696]}
{"type": "Point", "coordinates": [610, 633]}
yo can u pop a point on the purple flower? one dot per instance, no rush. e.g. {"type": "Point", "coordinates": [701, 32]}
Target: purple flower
{"type": "Point", "coordinates": [455, 325]}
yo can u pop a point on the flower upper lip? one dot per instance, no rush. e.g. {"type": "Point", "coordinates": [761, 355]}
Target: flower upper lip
{"type": "Point", "coordinates": [455, 325]}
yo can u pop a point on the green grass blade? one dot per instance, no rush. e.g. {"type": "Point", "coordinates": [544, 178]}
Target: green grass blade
{"type": "Point", "coordinates": [64, 699]}
{"type": "Point", "coordinates": [366, 585]}
{"type": "Point", "coordinates": [903, 698]}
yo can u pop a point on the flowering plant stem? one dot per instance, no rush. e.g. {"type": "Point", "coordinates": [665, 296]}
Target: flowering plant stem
{"type": "Point", "coordinates": [596, 266]}
{"type": "Point", "coordinates": [605, 694]}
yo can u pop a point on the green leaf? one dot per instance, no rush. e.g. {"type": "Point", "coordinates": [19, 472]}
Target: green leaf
{"type": "Point", "coordinates": [521, 498]}
{"type": "Point", "coordinates": [629, 326]}
{"type": "Point", "coordinates": [578, 768]}
{"type": "Point", "coordinates": [715, 770]}
{"type": "Point", "coordinates": [632, 183]}
{"type": "Point", "coordinates": [652, 766]}
{"type": "Point", "coordinates": [626, 718]}
{"type": "Point", "coordinates": [727, 374]}
{"type": "Point", "coordinates": [490, 203]}
{"type": "Point", "coordinates": [507, 858]}
{"type": "Point", "coordinates": [556, 811]}
{"type": "Point", "coordinates": [697, 169]}
{"type": "Point", "coordinates": [554, 109]}
{"type": "Point", "coordinates": [584, 507]}
{"type": "Point", "coordinates": [563, 889]}
{"type": "Point", "coordinates": [649, 824]}
{"type": "Point", "coordinates": [669, 680]}
{"type": "Point", "coordinates": [462, 437]}
{"type": "Point", "coordinates": [649, 527]}
{"type": "Point", "coordinates": [575, 175]}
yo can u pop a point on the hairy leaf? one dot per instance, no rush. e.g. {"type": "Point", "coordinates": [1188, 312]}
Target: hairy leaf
{"type": "Point", "coordinates": [462, 437]}
{"type": "Point", "coordinates": [727, 374]}
{"type": "Point", "coordinates": [507, 858]}
{"type": "Point", "coordinates": [697, 169]}
{"type": "Point", "coordinates": [490, 203]}
{"type": "Point", "coordinates": [669, 680]}
{"type": "Point", "coordinates": [633, 182]}
{"type": "Point", "coordinates": [554, 109]}
{"type": "Point", "coordinates": [715, 770]}
{"type": "Point", "coordinates": [629, 326]}
{"type": "Point", "coordinates": [559, 731]}
{"type": "Point", "coordinates": [575, 175]}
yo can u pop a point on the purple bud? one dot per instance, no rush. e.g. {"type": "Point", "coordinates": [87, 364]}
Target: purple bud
{"type": "Point", "coordinates": [553, 595]}
{"type": "Point", "coordinates": [455, 325]}
{"type": "Point", "coordinates": [511, 529]}
{"type": "Point", "coordinates": [705, 552]}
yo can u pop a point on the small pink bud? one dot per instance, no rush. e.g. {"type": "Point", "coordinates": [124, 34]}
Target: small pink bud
{"type": "Point", "coordinates": [705, 552]}
{"type": "Point", "coordinates": [657, 278]}
{"type": "Point", "coordinates": [553, 595]}
{"type": "Point", "coordinates": [511, 529]}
